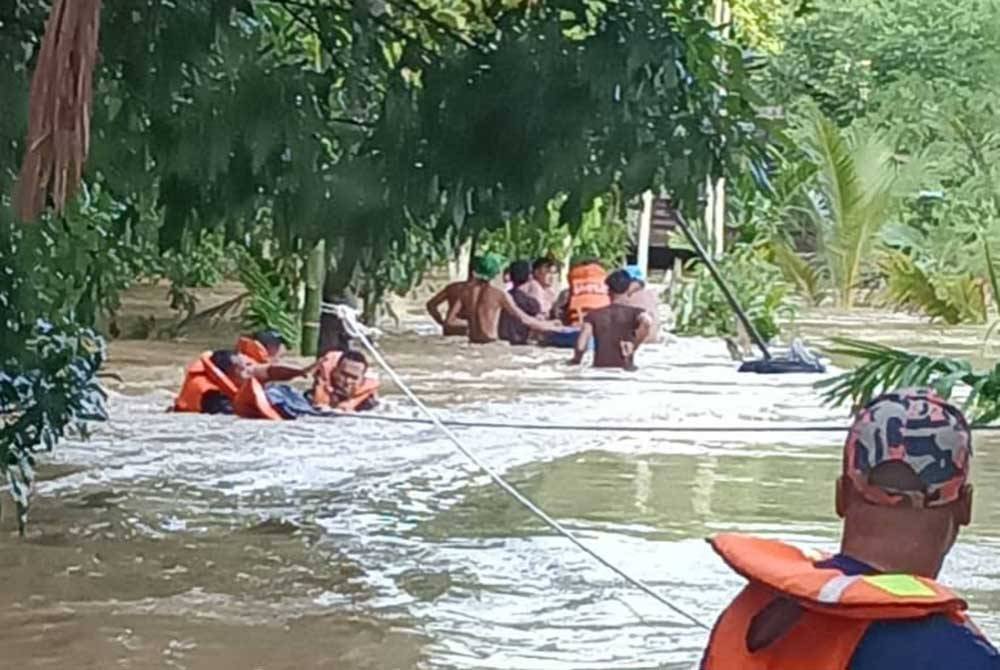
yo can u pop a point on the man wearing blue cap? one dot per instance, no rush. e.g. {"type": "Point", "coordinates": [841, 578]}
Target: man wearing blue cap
{"type": "Point", "coordinates": [645, 299]}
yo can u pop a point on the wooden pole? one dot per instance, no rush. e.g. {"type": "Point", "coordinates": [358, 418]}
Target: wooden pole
{"type": "Point", "coordinates": [315, 276]}
{"type": "Point", "coordinates": [645, 225]}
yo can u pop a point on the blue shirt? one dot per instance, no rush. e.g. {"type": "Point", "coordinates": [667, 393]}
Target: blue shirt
{"type": "Point", "coordinates": [932, 643]}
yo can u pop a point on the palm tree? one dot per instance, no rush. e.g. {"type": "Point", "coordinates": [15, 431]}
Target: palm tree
{"type": "Point", "coordinates": [856, 192]}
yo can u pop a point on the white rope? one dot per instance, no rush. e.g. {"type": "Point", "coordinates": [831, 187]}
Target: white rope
{"type": "Point", "coordinates": [349, 317]}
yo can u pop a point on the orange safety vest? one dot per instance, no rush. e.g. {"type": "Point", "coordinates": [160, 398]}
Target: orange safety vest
{"type": "Point", "coordinates": [322, 392]}
{"type": "Point", "coordinates": [835, 609]}
{"type": "Point", "coordinates": [253, 350]}
{"type": "Point", "coordinates": [202, 377]}
{"type": "Point", "coordinates": [251, 403]}
{"type": "Point", "coordinates": [587, 292]}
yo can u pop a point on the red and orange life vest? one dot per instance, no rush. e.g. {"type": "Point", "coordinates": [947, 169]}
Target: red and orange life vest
{"type": "Point", "coordinates": [587, 292]}
{"type": "Point", "coordinates": [322, 396]}
{"type": "Point", "coordinates": [253, 350]}
{"type": "Point", "coordinates": [202, 377]}
{"type": "Point", "coordinates": [829, 613]}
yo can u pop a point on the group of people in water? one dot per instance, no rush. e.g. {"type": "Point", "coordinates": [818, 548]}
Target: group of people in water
{"type": "Point", "coordinates": [615, 313]}
{"type": "Point", "coordinates": [247, 381]}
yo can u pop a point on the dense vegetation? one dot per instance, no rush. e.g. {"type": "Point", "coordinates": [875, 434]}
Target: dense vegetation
{"type": "Point", "coordinates": [236, 136]}
{"type": "Point", "coordinates": [239, 138]}
{"type": "Point", "coordinates": [882, 188]}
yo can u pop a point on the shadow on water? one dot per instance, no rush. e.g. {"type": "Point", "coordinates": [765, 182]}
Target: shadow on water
{"type": "Point", "coordinates": [207, 542]}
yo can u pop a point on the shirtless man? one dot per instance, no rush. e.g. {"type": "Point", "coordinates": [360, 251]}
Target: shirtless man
{"type": "Point", "coordinates": [454, 322]}
{"type": "Point", "coordinates": [618, 328]}
{"type": "Point", "coordinates": [486, 303]}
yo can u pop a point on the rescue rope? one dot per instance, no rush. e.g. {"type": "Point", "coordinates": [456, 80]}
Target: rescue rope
{"type": "Point", "coordinates": [348, 317]}
{"type": "Point", "coordinates": [606, 428]}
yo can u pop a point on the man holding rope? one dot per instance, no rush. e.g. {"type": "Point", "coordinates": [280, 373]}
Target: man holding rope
{"type": "Point", "coordinates": [903, 497]}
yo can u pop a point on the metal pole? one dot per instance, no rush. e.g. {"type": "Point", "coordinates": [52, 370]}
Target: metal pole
{"type": "Point", "coordinates": [722, 285]}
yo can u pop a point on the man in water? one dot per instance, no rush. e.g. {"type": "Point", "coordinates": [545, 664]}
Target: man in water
{"type": "Point", "coordinates": [645, 299]}
{"type": "Point", "coordinates": [618, 328]}
{"type": "Point", "coordinates": [510, 329]}
{"type": "Point", "coordinates": [484, 303]}
{"type": "Point", "coordinates": [455, 319]}
{"type": "Point", "coordinates": [235, 367]}
{"type": "Point", "coordinates": [541, 284]}
{"type": "Point", "coordinates": [903, 496]}
{"type": "Point", "coordinates": [341, 387]}
{"type": "Point", "coordinates": [264, 365]}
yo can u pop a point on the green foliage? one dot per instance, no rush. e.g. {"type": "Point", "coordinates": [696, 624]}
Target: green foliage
{"type": "Point", "coordinates": [602, 234]}
{"type": "Point", "coordinates": [702, 309]}
{"type": "Point", "coordinates": [48, 385]}
{"type": "Point", "coordinates": [203, 259]}
{"type": "Point", "coordinates": [47, 364]}
{"type": "Point", "coordinates": [272, 305]}
{"type": "Point", "coordinates": [849, 55]}
{"type": "Point", "coordinates": [798, 271]}
{"type": "Point", "coordinates": [952, 298]}
{"type": "Point", "coordinates": [857, 190]}
{"type": "Point", "coordinates": [884, 368]}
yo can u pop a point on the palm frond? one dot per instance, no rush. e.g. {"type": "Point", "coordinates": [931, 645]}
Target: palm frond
{"type": "Point", "coordinates": [992, 272]}
{"type": "Point", "coordinates": [267, 307]}
{"type": "Point", "coordinates": [798, 271]}
{"type": "Point", "coordinates": [952, 298]}
{"type": "Point", "coordinates": [853, 200]}
{"type": "Point", "coordinates": [885, 368]}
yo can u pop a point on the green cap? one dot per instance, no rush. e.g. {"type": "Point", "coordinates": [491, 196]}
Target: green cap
{"type": "Point", "coordinates": [487, 267]}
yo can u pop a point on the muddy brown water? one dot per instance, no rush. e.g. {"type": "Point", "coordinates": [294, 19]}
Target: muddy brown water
{"type": "Point", "coordinates": [171, 541]}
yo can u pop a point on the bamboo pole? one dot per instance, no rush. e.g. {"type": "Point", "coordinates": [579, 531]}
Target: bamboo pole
{"type": "Point", "coordinates": [315, 276]}
{"type": "Point", "coordinates": [645, 224]}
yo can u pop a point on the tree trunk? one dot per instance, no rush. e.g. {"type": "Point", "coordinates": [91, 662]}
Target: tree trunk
{"type": "Point", "coordinates": [315, 275]}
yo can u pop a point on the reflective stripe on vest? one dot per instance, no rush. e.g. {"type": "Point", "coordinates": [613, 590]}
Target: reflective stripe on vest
{"type": "Point", "coordinates": [202, 377]}
{"type": "Point", "coordinates": [322, 392]}
{"type": "Point", "coordinates": [834, 611]}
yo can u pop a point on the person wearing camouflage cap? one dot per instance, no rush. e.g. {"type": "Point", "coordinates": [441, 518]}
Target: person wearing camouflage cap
{"type": "Point", "coordinates": [903, 496]}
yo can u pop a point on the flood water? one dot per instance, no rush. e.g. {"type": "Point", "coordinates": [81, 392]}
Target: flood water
{"type": "Point", "coordinates": [174, 541]}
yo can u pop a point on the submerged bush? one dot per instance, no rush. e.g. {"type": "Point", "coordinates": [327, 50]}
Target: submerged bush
{"type": "Point", "coordinates": [759, 287]}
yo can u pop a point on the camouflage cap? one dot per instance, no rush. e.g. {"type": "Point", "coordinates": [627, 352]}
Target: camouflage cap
{"type": "Point", "coordinates": [916, 427]}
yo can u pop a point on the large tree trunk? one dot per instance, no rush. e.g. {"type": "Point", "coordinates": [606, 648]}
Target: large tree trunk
{"type": "Point", "coordinates": [61, 97]}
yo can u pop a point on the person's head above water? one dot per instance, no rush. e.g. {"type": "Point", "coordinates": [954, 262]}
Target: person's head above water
{"type": "Point", "coordinates": [487, 267]}
{"type": "Point", "coordinates": [903, 493]}
{"type": "Point", "coordinates": [544, 270]}
{"type": "Point", "coordinates": [618, 283]}
{"type": "Point", "coordinates": [272, 341]}
{"type": "Point", "coordinates": [349, 373]}
{"type": "Point", "coordinates": [520, 273]}
{"type": "Point", "coordinates": [637, 277]}
{"type": "Point", "coordinates": [231, 364]}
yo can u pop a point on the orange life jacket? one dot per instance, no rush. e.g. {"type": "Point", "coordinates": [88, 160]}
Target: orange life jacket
{"type": "Point", "coordinates": [251, 403]}
{"type": "Point", "coordinates": [253, 350]}
{"type": "Point", "coordinates": [202, 377]}
{"type": "Point", "coordinates": [322, 393]}
{"type": "Point", "coordinates": [835, 609]}
{"type": "Point", "coordinates": [587, 292]}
